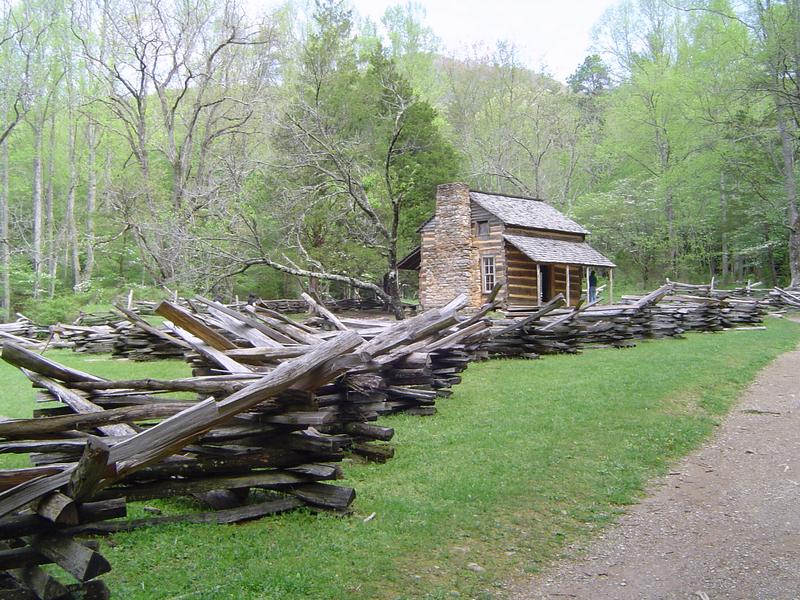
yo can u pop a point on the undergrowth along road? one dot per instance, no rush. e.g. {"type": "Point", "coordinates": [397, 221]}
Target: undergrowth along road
{"type": "Point", "coordinates": [525, 457]}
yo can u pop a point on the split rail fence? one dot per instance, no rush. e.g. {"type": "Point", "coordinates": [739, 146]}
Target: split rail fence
{"type": "Point", "coordinates": [270, 411]}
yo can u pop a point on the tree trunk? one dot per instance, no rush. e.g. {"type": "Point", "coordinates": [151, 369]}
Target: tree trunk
{"type": "Point", "coordinates": [394, 273]}
{"type": "Point", "coordinates": [664, 153]}
{"type": "Point", "coordinates": [393, 285]}
{"type": "Point", "coordinates": [106, 205]}
{"type": "Point", "coordinates": [71, 228]}
{"type": "Point", "coordinates": [669, 212]}
{"type": "Point", "coordinates": [36, 254]}
{"type": "Point", "coordinates": [4, 237]}
{"type": "Point", "coordinates": [49, 219]}
{"type": "Point", "coordinates": [790, 186]}
{"type": "Point", "coordinates": [91, 199]}
{"type": "Point", "coordinates": [723, 227]}
{"type": "Point", "coordinates": [773, 269]}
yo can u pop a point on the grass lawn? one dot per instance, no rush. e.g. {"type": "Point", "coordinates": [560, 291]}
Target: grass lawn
{"type": "Point", "coordinates": [524, 458]}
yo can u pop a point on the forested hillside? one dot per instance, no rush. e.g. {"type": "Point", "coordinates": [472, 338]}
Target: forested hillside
{"type": "Point", "coordinates": [195, 145]}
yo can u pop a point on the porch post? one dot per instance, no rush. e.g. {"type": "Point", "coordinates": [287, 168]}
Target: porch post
{"type": "Point", "coordinates": [538, 285]}
{"type": "Point", "coordinates": [586, 274]}
{"type": "Point", "coordinates": [567, 268]}
{"type": "Point", "coordinates": [611, 286]}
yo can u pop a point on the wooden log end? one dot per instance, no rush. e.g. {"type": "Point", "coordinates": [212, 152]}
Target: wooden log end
{"type": "Point", "coordinates": [58, 508]}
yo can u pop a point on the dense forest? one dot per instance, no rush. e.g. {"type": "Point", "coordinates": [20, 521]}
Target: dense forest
{"type": "Point", "coordinates": [194, 146]}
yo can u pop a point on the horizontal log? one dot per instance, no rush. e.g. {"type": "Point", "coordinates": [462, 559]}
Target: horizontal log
{"type": "Point", "coordinates": [201, 385]}
{"type": "Point", "coordinates": [325, 495]}
{"type": "Point", "coordinates": [77, 402]}
{"type": "Point", "coordinates": [17, 526]}
{"type": "Point", "coordinates": [37, 581]}
{"type": "Point", "coordinates": [227, 463]}
{"type": "Point", "coordinates": [370, 431]}
{"type": "Point", "coordinates": [264, 354]}
{"type": "Point", "coordinates": [185, 487]}
{"type": "Point", "coordinates": [18, 558]}
{"type": "Point", "coordinates": [57, 508]}
{"type": "Point", "coordinates": [218, 517]}
{"type": "Point", "coordinates": [73, 446]}
{"type": "Point", "coordinates": [302, 418]}
{"type": "Point", "coordinates": [373, 452]}
{"type": "Point", "coordinates": [28, 428]}
{"type": "Point", "coordinates": [13, 477]}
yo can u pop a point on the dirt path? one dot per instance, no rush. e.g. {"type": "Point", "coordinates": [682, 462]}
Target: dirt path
{"type": "Point", "coordinates": [725, 524]}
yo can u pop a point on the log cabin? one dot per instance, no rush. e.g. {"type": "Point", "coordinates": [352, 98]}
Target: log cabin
{"type": "Point", "coordinates": [476, 239]}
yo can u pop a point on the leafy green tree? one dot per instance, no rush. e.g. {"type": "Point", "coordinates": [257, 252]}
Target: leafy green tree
{"type": "Point", "coordinates": [362, 155]}
{"type": "Point", "coordinates": [695, 120]}
{"type": "Point", "coordinates": [518, 129]}
{"type": "Point", "coordinates": [591, 78]}
{"type": "Point", "coordinates": [778, 30]}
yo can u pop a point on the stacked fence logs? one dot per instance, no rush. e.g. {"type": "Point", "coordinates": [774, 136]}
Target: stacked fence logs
{"type": "Point", "coordinates": [278, 407]}
{"type": "Point", "coordinates": [662, 313]}
{"type": "Point", "coordinates": [22, 331]}
{"type": "Point", "coordinates": [272, 408]}
{"type": "Point", "coordinates": [126, 335]}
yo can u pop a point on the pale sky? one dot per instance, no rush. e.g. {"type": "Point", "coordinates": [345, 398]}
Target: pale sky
{"type": "Point", "coordinates": [556, 34]}
{"type": "Point", "coordinates": [553, 33]}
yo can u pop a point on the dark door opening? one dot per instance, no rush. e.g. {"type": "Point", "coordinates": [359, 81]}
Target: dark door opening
{"type": "Point", "coordinates": [546, 273]}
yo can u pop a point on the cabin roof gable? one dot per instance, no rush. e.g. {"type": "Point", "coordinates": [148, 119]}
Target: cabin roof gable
{"type": "Point", "coordinates": [529, 213]}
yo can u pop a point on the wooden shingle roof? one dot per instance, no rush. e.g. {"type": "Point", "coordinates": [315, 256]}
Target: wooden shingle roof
{"type": "Point", "coordinates": [544, 250]}
{"type": "Point", "coordinates": [526, 212]}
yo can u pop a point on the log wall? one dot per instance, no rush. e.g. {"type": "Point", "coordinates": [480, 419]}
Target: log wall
{"type": "Point", "coordinates": [575, 284]}
{"type": "Point", "coordinates": [490, 245]}
{"type": "Point", "coordinates": [522, 286]}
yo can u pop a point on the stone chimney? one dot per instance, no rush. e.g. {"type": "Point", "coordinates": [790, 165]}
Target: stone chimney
{"type": "Point", "coordinates": [446, 261]}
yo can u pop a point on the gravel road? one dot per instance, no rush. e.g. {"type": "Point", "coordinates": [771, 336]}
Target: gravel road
{"type": "Point", "coordinates": [724, 524]}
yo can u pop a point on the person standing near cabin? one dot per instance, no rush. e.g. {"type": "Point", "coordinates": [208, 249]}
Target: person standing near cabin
{"type": "Point", "coordinates": [592, 287]}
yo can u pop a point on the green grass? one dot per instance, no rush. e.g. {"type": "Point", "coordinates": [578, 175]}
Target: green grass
{"type": "Point", "coordinates": [525, 458]}
{"type": "Point", "coordinates": [18, 398]}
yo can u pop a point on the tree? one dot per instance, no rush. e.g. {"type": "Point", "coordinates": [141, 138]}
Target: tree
{"type": "Point", "coordinates": [45, 75]}
{"type": "Point", "coordinates": [183, 83]}
{"type": "Point", "coordinates": [778, 29]}
{"type": "Point", "coordinates": [22, 33]}
{"type": "Point", "coordinates": [761, 43]}
{"type": "Point", "coordinates": [591, 77]}
{"type": "Point", "coordinates": [415, 49]}
{"type": "Point", "coordinates": [361, 155]}
{"type": "Point", "coordinates": [517, 128]}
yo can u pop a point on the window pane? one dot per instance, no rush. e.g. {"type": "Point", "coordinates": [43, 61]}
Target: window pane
{"type": "Point", "coordinates": [488, 273]}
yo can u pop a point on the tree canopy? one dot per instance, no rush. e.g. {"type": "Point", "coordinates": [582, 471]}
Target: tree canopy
{"type": "Point", "coordinates": [194, 146]}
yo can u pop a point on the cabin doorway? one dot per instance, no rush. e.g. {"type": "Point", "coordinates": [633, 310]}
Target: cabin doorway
{"type": "Point", "coordinates": [546, 273]}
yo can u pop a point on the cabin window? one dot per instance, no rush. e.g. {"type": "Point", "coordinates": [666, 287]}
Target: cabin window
{"type": "Point", "coordinates": [487, 268]}
{"type": "Point", "coordinates": [483, 229]}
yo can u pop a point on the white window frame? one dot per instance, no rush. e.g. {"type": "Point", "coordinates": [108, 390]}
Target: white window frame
{"type": "Point", "coordinates": [488, 273]}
